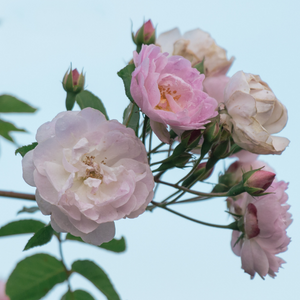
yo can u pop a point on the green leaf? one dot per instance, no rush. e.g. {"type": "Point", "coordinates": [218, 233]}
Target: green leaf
{"type": "Point", "coordinates": [77, 295]}
{"type": "Point", "coordinates": [88, 99]}
{"type": "Point", "coordinates": [24, 149]}
{"type": "Point", "coordinates": [34, 277]}
{"type": "Point", "coordinates": [114, 245]}
{"type": "Point", "coordinates": [131, 117]}
{"type": "Point", "coordinates": [200, 67]}
{"type": "Point", "coordinates": [125, 74]}
{"type": "Point", "coordinates": [6, 128]}
{"type": "Point", "coordinates": [10, 104]}
{"type": "Point", "coordinates": [41, 237]}
{"type": "Point", "coordinates": [97, 276]}
{"type": "Point", "coordinates": [21, 227]}
{"type": "Point", "coordinates": [29, 210]}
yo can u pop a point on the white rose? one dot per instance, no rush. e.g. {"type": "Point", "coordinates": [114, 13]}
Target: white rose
{"type": "Point", "coordinates": [194, 45]}
{"type": "Point", "coordinates": [88, 172]}
{"type": "Point", "coordinates": [254, 114]}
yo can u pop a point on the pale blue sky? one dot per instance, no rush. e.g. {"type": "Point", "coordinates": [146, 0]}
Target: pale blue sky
{"type": "Point", "coordinates": [167, 257]}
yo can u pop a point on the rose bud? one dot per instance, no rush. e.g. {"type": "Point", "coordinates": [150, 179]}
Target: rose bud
{"type": "Point", "coordinates": [145, 35]}
{"type": "Point", "coordinates": [258, 181]}
{"type": "Point", "coordinates": [73, 82]}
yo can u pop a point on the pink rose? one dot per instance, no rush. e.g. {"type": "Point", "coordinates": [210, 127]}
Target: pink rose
{"type": "Point", "coordinates": [265, 222]}
{"type": "Point", "coordinates": [215, 86]}
{"type": "Point", "coordinates": [170, 92]}
{"type": "Point", "coordinates": [3, 295]}
{"type": "Point", "coordinates": [88, 172]}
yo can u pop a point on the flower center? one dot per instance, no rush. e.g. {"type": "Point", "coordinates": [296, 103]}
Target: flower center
{"type": "Point", "coordinates": [167, 96]}
{"type": "Point", "coordinates": [93, 170]}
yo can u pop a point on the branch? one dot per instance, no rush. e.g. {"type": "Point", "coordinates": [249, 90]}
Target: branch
{"type": "Point", "coordinates": [17, 195]}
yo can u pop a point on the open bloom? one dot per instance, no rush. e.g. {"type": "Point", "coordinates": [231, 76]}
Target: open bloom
{"type": "Point", "coordinates": [3, 295]}
{"type": "Point", "coordinates": [88, 172]}
{"type": "Point", "coordinates": [254, 114]}
{"type": "Point", "coordinates": [195, 45]}
{"type": "Point", "coordinates": [170, 92]}
{"type": "Point", "coordinates": [264, 234]}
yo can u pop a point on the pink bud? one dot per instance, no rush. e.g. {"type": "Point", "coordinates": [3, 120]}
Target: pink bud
{"type": "Point", "coordinates": [145, 35]}
{"type": "Point", "coordinates": [260, 180]}
{"type": "Point", "coordinates": [75, 75]}
{"type": "Point", "coordinates": [202, 168]}
{"type": "Point", "coordinates": [148, 30]}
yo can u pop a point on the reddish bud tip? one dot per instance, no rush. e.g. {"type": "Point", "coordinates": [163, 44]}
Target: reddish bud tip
{"type": "Point", "coordinates": [260, 180]}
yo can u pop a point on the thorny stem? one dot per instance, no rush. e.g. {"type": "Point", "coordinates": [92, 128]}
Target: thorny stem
{"type": "Point", "coordinates": [17, 195]}
{"type": "Point", "coordinates": [231, 226]}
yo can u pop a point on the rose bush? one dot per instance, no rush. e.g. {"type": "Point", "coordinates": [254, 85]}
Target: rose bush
{"type": "Point", "coordinates": [88, 172]}
{"type": "Point", "coordinates": [265, 220]}
{"type": "Point", "coordinates": [254, 114]}
{"type": "Point", "coordinates": [170, 92]}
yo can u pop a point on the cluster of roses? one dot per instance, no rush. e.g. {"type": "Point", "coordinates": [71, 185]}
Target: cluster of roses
{"type": "Point", "coordinates": [90, 172]}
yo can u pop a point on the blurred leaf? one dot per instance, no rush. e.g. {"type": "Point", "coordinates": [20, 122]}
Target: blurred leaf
{"type": "Point", "coordinates": [114, 245]}
{"type": "Point", "coordinates": [29, 210]}
{"type": "Point", "coordinates": [131, 117]}
{"type": "Point", "coordinates": [24, 149]}
{"type": "Point", "coordinates": [6, 128]}
{"type": "Point", "coordinates": [21, 227]}
{"type": "Point", "coordinates": [178, 161]}
{"type": "Point", "coordinates": [88, 99]}
{"type": "Point", "coordinates": [34, 277]}
{"type": "Point", "coordinates": [41, 237]}
{"type": "Point", "coordinates": [125, 74]}
{"type": "Point", "coordinates": [97, 276]}
{"type": "Point", "coordinates": [200, 67]}
{"type": "Point", "coordinates": [77, 295]}
{"type": "Point", "coordinates": [10, 104]}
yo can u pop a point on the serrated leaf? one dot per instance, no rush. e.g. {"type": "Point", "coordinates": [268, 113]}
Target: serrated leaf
{"type": "Point", "coordinates": [29, 210]}
{"type": "Point", "coordinates": [41, 237]}
{"type": "Point", "coordinates": [6, 128]}
{"type": "Point", "coordinates": [131, 117]}
{"type": "Point", "coordinates": [24, 149]}
{"type": "Point", "coordinates": [114, 245]}
{"type": "Point", "coordinates": [77, 295]}
{"type": "Point", "coordinates": [125, 74]}
{"type": "Point", "coordinates": [34, 277]}
{"type": "Point", "coordinates": [21, 227]}
{"type": "Point", "coordinates": [97, 276]}
{"type": "Point", "coordinates": [10, 104]}
{"type": "Point", "coordinates": [88, 99]}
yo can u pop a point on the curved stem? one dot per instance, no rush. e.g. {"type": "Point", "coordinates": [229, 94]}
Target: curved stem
{"type": "Point", "coordinates": [157, 147]}
{"type": "Point", "coordinates": [191, 191]}
{"type": "Point", "coordinates": [231, 226]}
{"type": "Point", "coordinates": [63, 260]}
{"type": "Point", "coordinates": [145, 128]}
{"type": "Point", "coordinates": [17, 195]}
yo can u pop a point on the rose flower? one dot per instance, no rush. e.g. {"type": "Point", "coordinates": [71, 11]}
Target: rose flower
{"type": "Point", "coordinates": [88, 172]}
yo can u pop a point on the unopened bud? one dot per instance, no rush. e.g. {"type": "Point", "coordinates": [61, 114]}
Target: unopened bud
{"type": "Point", "coordinates": [73, 82]}
{"type": "Point", "coordinates": [257, 181]}
{"type": "Point", "coordinates": [193, 138]}
{"type": "Point", "coordinates": [145, 35]}
{"type": "Point", "coordinates": [212, 131]}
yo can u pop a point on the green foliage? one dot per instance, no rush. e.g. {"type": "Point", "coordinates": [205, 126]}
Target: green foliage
{"type": "Point", "coordinates": [97, 276]}
{"type": "Point", "coordinates": [10, 104]}
{"type": "Point", "coordinates": [21, 227]}
{"type": "Point", "coordinates": [200, 67]}
{"type": "Point", "coordinates": [41, 237]}
{"type": "Point", "coordinates": [125, 74]}
{"type": "Point", "coordinates": [29, 210]}
{"type": "Point", "coordinates": [6, 128]}
{"type": "Point", "coordinates": [88, 99]}
{"type": "Point", "coordinates": [114, 245]}
{"type": "Point", "coordinates": [24, 149]}
{"type": "Point", "coordinates": [34, 277]}
{"type": "Point", "coordinates": [77, 295]}
{"type": "Point", "coordinates": [131, 117]}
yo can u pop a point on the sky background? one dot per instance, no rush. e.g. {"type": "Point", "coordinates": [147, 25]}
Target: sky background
{"type": "Point", "coordinates": [167, 257]}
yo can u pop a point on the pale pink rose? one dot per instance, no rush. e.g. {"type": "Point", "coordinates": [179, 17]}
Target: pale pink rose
{"type": "Point", "coordinates": [195, 45]}
{"type": "Point", "coordinates": [88, 172]}
{"type": "Point", "coordinates": [170, 92]}
{"type": "Point", "coordinates": [3, 295]}
{"type": "Point", "coordinates": [245, 156]}
{"type": "Point", "coordinates": [215, 86]}
{"type": "Point", "coordinates": [265, 222]}
{"type": "Point", "coordinates": [254, 114]}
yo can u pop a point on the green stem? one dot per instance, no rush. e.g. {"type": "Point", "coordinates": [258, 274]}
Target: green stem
{"type": "Point", "coordinates": [70, 100]}
{"type": "Point", "coordinates": [145, 128]}
{"type": "Point", "coordinates": [63, 260]}
{"type": "Point", "coordinates": [231, 226]}
{"type": "Point", "coordinates": [191, 191]}
{"type": "Point", "coordinates": [157, 147]}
